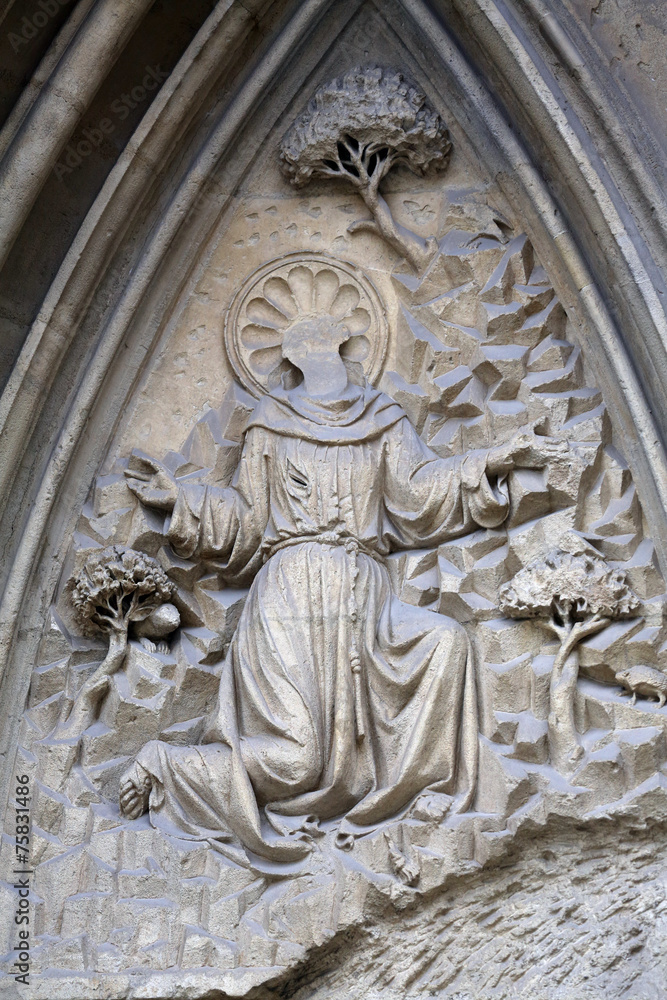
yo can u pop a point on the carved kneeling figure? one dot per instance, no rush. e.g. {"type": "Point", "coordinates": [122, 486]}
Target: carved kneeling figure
{"type": "Point", "coordinates": [644, 681]}
{"type": "Point", "coordinates": [337, 701]}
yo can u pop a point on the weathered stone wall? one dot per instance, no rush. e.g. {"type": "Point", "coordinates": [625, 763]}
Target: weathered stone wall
{"type": "Point", "coordinates": [631, 35]}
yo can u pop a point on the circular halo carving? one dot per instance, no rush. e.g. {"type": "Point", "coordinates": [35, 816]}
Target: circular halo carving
{"type": "Point", "coordinates": [290, 290]}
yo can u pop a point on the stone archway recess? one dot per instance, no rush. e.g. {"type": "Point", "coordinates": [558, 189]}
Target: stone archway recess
{"type": "Point", "coordinates": [531, 93]}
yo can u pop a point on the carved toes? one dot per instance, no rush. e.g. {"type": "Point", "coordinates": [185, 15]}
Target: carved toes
{"type": "Point", "coordinates": [344, 841]}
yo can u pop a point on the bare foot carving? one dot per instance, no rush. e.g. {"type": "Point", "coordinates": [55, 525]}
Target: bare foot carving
{"type": "Point", "coordinates": [135, 789]}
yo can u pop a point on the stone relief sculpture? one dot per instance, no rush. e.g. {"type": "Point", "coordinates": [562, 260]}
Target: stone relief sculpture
{"type": "Point", "coordinates": [644, 681]}
{"type": "Point", "coordinates": [116, 587]}
{"type": "Point", "coordinates": [576, 596]}
{"type": "Point", "coordinates": [294, 290]}
{"type": "Point", "coordinates": [354, 557]}
{"type": "Point", "coordinates": [357, 128]}
{"type": "Point", "coordinates": [333, 689]}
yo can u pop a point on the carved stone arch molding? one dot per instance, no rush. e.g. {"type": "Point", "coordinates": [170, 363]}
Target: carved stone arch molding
{"type": "Point", "coordinates": [544, 206]}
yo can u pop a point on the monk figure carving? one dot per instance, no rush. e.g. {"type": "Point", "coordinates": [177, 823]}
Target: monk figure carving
{"type": "Point", "coordinates": [339, 706]}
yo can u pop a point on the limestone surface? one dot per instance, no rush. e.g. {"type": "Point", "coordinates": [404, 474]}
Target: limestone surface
{"type": "Point", "coordinates": [353, 680]}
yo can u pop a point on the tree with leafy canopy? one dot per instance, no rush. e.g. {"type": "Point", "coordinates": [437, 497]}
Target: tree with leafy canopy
{"type": "Point", "coordinates": [357, 128]}
{"type": "Point", "coordinates": [115, 586]}
{"type": "Point", "coordinates": [575, 596]}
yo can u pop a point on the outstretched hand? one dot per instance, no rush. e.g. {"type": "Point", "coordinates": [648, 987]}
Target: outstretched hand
{"type": "Point", "coordinates": [151, 482]}
{"type": "Point", "coordinates": [526, 450]}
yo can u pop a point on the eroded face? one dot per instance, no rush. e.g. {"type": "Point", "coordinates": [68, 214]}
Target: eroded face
{"type": "Point", "coordinates": [316, 340]}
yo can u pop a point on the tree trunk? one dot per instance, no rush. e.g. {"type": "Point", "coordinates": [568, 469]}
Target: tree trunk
{"type": "Point", "coordinates": [414, 248]}
{"type": "Point", "coordinates": [564, 747]}
{"type": "Point", "coordinates": [82, 713]}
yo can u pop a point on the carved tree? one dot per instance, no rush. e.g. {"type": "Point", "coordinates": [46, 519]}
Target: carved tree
{"type": "Point", "coordinates": [577, 596]}
{"type": "Point", "coordinates": [357, 128]}
{"type": "Point", "coordinates": [116, 586]}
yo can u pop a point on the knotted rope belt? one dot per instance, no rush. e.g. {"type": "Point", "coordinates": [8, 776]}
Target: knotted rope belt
{"type": "Point", "coordinates": [352, 548]}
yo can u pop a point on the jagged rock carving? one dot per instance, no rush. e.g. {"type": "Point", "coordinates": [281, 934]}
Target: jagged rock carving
{"type": "Point", "coordinates": [357, 128]}
{"type": "Point", "coordinates": [298, 289]}
{"type": "Point", "coordinates": [576, 596]}
{"type": "Point", "coordinates": [115, 588]}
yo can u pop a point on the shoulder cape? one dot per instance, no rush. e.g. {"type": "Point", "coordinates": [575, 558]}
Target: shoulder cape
{"type": "Point", "coordinates": [362, 414]}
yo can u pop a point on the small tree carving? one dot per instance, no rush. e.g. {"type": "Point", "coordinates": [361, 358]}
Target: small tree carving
{"type": "Point", "coordinates": [576, 596]}
{"type": "Point", "coordinates": [115, 586]}
{"type": "Point", "coordinates": [357, 128]}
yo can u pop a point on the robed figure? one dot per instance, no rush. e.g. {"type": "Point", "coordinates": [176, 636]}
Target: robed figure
{"type": "Point", "coordinates": [339, 705]}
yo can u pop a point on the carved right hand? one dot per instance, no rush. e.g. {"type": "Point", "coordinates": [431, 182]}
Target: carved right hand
{"type": "Point", "coordinates": [151, 482]}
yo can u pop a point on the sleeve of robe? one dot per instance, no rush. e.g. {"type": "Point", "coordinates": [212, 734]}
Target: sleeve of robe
{"type": "Point", "coordinates": [226, 524]}
{"type": "Point", "coordinates": [430, 499]}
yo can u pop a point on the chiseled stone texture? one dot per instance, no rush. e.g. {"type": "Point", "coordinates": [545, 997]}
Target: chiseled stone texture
{"type": "Point", "coordinates": [580, 913]}
{"type": "Point", "coordinates": [632, 36]}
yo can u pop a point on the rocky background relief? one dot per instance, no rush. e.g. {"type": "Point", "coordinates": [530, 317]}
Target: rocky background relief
{"type": "Point", "coordinates": [483, 349]}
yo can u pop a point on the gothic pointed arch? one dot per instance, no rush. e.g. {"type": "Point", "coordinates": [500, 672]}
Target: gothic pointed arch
{"type": "Point", "coordinates": [502, 290]}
